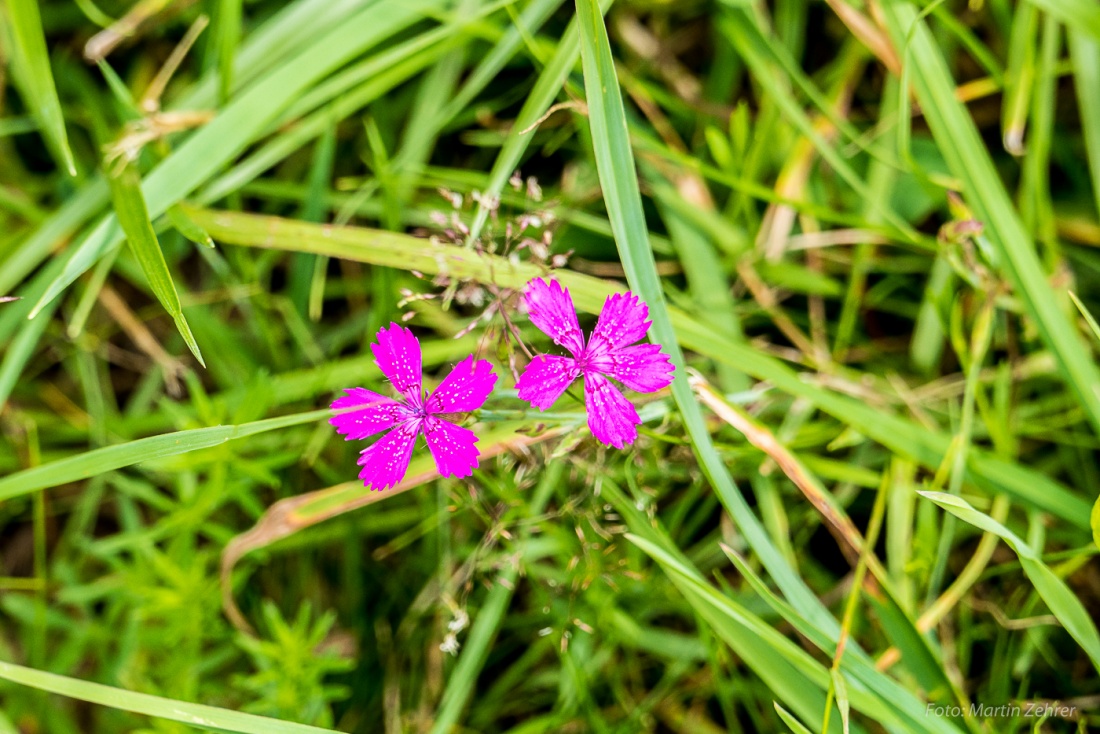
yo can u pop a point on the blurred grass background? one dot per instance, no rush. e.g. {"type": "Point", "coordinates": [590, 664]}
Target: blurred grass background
{"type": "Point", "coordinates": [866, 232]}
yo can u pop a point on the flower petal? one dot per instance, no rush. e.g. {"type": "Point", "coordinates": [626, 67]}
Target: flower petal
{"type": "Point", "coordinates": [398, 356]}
{"type": "Point", "coordinates": [623, 320]}
{"type": "Point", "coordinates": [545, 379]}
{"type": "Point", "coordinates": [362, 413]}
{"type": "Point", "coordinates": [452, 447]}
{"type": "Point", "coordinates": [463, 390]}
{"type": "Point", "coordinates": [551, 309]}
{"type": "Point", "coordinates": [385, 463]}
{"type": "Point", "coordinates": [611, 417]}
{"type": "Point", "coordinates": [642, 367]}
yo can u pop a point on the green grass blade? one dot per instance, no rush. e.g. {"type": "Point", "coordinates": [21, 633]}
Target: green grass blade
{"type": "Point", "coordinates": [1063, 603]}
{"type": "Point", "coordinates": [1089, 319]}
{"type": "Point", "coordinates": [192, 714]}
{"type": "Point", "coordinates": [1019, 78]}
{"type": "Point", "coordinates": [906, 709]}
{"type": "Point", "coordinates": [133, 217]}
{"type": "Point", "coordinates": [33, 62]}
{"type": "Point", "coordinates": [962, 147]}
{"type": "Point", "coordinates": [1085, 54]}
{"type": "Point", "coordinates": [228, 36]}
{"type": "Point", "coordinates": [109, 458]}
{"type": "Point", "coordinates": [785, 668]}
{"type": "Point", "coordinates": [1082, 15]}
{"type": "Point", "coordinates": [615, 166]}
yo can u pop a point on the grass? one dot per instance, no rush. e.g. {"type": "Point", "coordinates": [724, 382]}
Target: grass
{"type": "Point", "coordinates": [866, 237]}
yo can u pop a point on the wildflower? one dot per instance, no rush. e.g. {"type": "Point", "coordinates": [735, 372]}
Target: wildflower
{"type": "Point", "coordinates": [623, 321]}
{"type": "Point", "coordinates": [361, 413]}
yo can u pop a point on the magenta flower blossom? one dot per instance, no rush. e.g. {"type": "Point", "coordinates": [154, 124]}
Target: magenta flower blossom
{"type": "Point", "coordinates": [362, 413]}
{"type": "Point", "coordinates": [623, 321]}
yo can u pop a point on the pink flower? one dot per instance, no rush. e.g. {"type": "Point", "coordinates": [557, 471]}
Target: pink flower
{"type": "Point", "coordinates": [361, 413]}
{"type": "Point", "coordinates": [623, 321]}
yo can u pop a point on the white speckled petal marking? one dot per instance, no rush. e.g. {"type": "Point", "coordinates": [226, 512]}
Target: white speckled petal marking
{"type": "Point", "coordinates": [642, 367]}
{"type": "Point", "coordinates": [623, 320]}
{"type": "Point", "coordinates": [545, 379]}
{"type": "Point", "coordinates": [385, 463]}
{"type": "Point", "coordinates": [398, 356]}
{"type": "Point", "coordinates": [362, 413]}
{"type": "Point", "coordinates": [464, 389]}
{"type": "Point", "coordinates": [551, 309]}
{"type": "Point", "coordinates": [611, 417]}
{"type": "Point", "coordinates": [453, 447]}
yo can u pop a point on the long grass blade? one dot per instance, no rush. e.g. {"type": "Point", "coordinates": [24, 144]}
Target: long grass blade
{"type": "Point", "coordinates": [1085, 55]}
{"type": "Point", "coordinates": [615, 166]}
{"type": "Point", "coordinates": [109, 458]}
{"type": "Point", "coordinates": [192, 714]}
{"type": "Point", "coordinates": [32, 61]}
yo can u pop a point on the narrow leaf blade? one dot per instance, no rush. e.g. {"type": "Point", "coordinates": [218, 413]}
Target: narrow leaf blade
{"type": "Point", "coordinates": [133, 216]}
{"type": "Point", "coordinates": [33, 59]}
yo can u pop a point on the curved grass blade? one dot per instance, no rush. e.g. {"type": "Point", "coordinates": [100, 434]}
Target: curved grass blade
{"type": "Point", "coordinates": [33, 60]}
{"type": "Point", "coordinates": [615, 166]}
{"type": "Point", "coordinates": [193, 714]}
{"type": "Point", "coordinates": [1063, 603]}
{"type": "Point", "coordinates": [133, 217]}
{"type": "Point", "coordinates": [858, 666]}
{"type": "Point", "coordinates": [109, 458]}
{"type": "Point", "coordinates": [788, 670]}
{"type": "Point", "coordinates": [879, 695]}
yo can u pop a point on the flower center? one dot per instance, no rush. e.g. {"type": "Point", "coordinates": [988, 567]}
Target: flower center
{"type": "Point", "coordinates": [584, 362]}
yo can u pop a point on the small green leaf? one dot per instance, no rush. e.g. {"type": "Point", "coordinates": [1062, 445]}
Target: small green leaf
{"type": "Point", "coordinates": [188, 227]}
{"type": "Point", "coordinates": [789, 719]}
{"type": "Point", "coordinates": [1085, 312]}
{"type": "Point", "coordinates": [1094, 520]}
{"type": "Point", "coordinates": [133, 216]}
{"type": "Point", "coordinates": [841, 690]}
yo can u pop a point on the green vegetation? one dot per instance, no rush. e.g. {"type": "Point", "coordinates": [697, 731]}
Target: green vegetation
{"type": "Point", "coordinates": [866, 235]}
